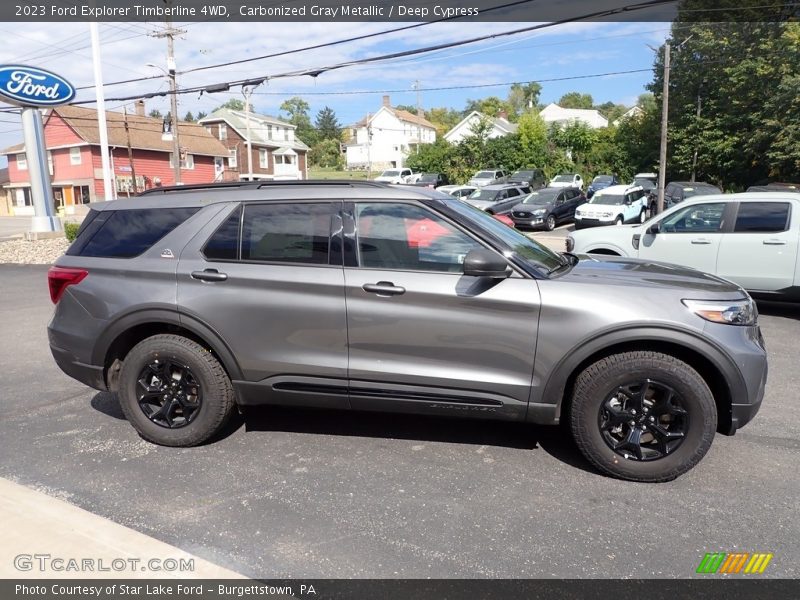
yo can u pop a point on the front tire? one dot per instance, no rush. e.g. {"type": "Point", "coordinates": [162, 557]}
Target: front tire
{"type": "Point", "coordinates": [618, 221]}
{"type": "Point", "coordinates": [643, 216]}
{"type": "Point", "coordinates": [550, 223]}
{"type": "Point", "coordinates": [174, 392]}
{"type": "Point", "coordinates": [642, 416]}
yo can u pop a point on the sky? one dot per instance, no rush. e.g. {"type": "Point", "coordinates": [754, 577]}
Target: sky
{"type": "Point", "coordinates": [567, 50]}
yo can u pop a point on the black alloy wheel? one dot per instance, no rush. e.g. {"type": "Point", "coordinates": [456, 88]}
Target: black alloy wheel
{"type": "Point", "coordinates": [168, 393]}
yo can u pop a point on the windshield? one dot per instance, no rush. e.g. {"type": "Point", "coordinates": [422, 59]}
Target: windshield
{"type": "Point", "coordinates": [393, 173]}
{"type": "Point", "coordinates": [540, 198]}
{"type": "Point", "coordinates": [483, 194]}
{"type": "Point", "coordinates": [700, 191]}
{"type": "Point", "coordinates": [603, 179]}
{"type": "Point", "coordinates": [484, 175]}
{"type": "Point", "coordinates": [610, 199]}
{"type": "Point", "coordinates": [564, 178]}
{"type": "Point", "coordinates": [521, 245]}
{"type": "Point", "coordinates": [524, 174]}
{"type": "Point", "coordinates": [645, 183]}
{"type": "Point", "coordinates": [429, 177]}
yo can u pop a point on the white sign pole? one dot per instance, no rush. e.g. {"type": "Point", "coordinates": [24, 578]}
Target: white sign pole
{"type": "Point", "coordinates": [39, 172]}
{"type": "Point", "coordinates": [108, 174]}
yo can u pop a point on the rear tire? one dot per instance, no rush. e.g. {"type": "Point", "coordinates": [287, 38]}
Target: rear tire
{"type": "Point", "coordinates": [653, 436]}
{"type": "Point", "coordinates": [174, 392]}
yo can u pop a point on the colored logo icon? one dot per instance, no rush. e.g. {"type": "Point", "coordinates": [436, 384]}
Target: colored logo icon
{"type": "Point", "coordinates": [736, 562]}
{"type": "Point", "coordinates": [29, 86]}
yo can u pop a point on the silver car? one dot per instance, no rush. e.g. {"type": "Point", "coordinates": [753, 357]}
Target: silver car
{"type": "Point", "coordinates": [189, 301]}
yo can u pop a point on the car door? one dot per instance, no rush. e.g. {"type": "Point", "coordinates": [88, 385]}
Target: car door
{"type": "Point", "coordinates": [570, 204]}
{"type": "Point", "coordinates": [560, 206]}
{"type": "Point", "coordinates": [267, 278]}
{"type": "Point", "coordinates": [509, 200]}
{"type": "Point", "coordinates": [422, 336]}
{"type": "Point", "coordinates": [761, 251]}
{"type": "Point", "coordinates": [690, 236]}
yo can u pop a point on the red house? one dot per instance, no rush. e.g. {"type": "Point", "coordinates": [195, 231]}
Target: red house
{"type": "Point", "coordinates": [72, 136]}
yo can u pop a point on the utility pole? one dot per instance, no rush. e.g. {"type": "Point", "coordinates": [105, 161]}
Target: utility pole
{"type": "Point", "coordinates": [130, 151]}
{"type": "Point", "coordinates": [662, 159]}
{"type": "Point", "coordinates": [170, 32]}
{"type": "Point", "coordinates": [694, 156]}
{"type": "Point", "coordinates": [369, 149]}
{"type": "Point", "coordinates": [247, 92]}
{"type": "Point", "coordinates": [419, 114]}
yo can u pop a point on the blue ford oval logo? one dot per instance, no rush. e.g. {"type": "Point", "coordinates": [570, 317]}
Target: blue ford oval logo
{"type": "Point", "coordinates": [29, 86]}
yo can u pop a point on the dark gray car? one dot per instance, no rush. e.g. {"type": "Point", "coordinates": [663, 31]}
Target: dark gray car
{"type": "Point", "coordinates": [497, 199]}
{"type": "Point", "coordinates": [547, 208]}
{"type": "Point", "coordinates": [188, 302]}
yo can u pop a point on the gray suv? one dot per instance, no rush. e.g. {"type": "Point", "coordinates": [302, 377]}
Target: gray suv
{"type": "Point", "coordinates": [191, 301]}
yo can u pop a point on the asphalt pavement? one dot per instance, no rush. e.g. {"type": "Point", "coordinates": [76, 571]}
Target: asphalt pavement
{"type": "Point", "coordinates": [11, 226]}
{"type": "Point", "coordinates": [300, 493]}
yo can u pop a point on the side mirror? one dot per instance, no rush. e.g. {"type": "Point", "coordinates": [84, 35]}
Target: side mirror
{"type": "Point", "coordinates": [654, 228]}
{"type": "Point", "coordinates": [485, 263]}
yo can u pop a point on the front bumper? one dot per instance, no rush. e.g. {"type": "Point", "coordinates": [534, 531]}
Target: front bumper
{"type": "Point", "coordinates": [581, 223]}
{"type": "Point", "coordinates": [532, 221]}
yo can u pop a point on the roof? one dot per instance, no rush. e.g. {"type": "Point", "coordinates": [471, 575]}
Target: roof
{"type": "Point", "coordinates": [499, 122]}
{"type": "Point", "coordinates": [402, 115]}
{"type": "Point", "coordinates": [145, 132]}
{"type": "Point", "coordinates": [566, 114]}
{"type": "Point", "coordinates": [259, 127]}
{"type": "Point", "coordinates": [616, 189]}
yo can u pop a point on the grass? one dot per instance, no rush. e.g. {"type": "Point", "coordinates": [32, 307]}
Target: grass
{"type": "Point", "coordinates": [333, 174]}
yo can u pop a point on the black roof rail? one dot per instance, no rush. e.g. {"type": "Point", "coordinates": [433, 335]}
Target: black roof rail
{"type": "Point", "coordinates": [256, 185]}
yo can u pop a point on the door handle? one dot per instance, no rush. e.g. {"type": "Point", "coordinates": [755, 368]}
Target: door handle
{"type": "Point", "coordinates": [774, 242]}
{"type": "Point", "coordinates": [383, 288]}
{"type": "Point", "coordinates": [701, 241]}
{"type": "Point", "coordinates": [209, 275]}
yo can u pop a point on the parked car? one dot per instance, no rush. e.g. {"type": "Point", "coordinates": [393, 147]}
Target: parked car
{"type": "Point", "coordinates": [497, 199]}
{"type": "Point", "coordinates": [457, 191]}
{"type": "Point", "coordinates": [547, 207]}
{"type": "Point", "coordinates": [601, 182]}
{"type": "Point", "coordinates": [750, 238]}
{"type": "Point", "coordinates": [246, 293]}
{"type": "Point", "coordinates": [567, 180]}
{"type": "Point", "coordinates": [397, 176]}
{"type": "Point", "coordinates": [651, 177]}
{"type": "Point", "coordinates": [613, 206]}
{"type": "Point", "coordinates": [678, 191]}
{"type": "Point", "coordinates": [775, 187]}
{"type": "Point", "coordinates": [533, 178]}
{"type": "Point", "coordinates": [488, 177]}
{"type": "Point", "coordinates": [432, 180]}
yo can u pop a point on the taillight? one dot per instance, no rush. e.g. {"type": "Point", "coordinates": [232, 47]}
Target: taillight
{"type": "Point", "coordinates": [59, 278]}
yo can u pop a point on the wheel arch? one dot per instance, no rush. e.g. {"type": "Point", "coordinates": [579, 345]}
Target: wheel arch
{"type": "Point", "coordinates": [711, 362]}
{"type": "Point", "coordinates": [115, 343]}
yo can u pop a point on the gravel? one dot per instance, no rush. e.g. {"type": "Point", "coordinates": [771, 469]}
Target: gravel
{"type": "Point", "coordinates": [39, 252]}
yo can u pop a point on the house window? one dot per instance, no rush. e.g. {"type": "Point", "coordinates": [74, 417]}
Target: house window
{"type": "Point", "coordinates": [22, 162]}
{"type": "Point", "coordinates": [74, 156]}
{"type": "Point", "coordinates": [232, 163]}
{"type": "Point", "coordinates": [187, 161]}
{"type": "Point", "coordinates": [81, 194]}
{"type": "Point", "coordinates": [50, 162]}
{"type": "Point", "coordinates": [23, 197]}
{"type": "Point", "coordinates": [284, 159]}
{"type": "Point", "coordinates": [263, 161]}
{"type": "Point", "coordinates": [269, 131]}
{"type": "Point", "coordinates": [223, 131]}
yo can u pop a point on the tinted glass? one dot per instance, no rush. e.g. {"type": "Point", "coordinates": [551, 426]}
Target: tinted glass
{"type": "Point", "coordinates": [762, 217]}
{"type": "Point", "coordinates": [127, 233]}
{"type": "Point", "coordinates": [701, 191]}
{"type": "Point", "coordinates": [701, 218]}
{"type": "Point", "coordinates": [484, 194]}
{"type": "Point", "coordinates": [224, 244]}
{"type": "Point", "coordinates": [412, 238]}
{"type": "Point", "coordinates": [603, 179]}
{"type": "Point", "coordinates": [485, 175]}
{"type": "Point", "coordinates": [511, 192]}
{"type": "Point", "coordinates": [292, 233]}
{"type": "Point", "coordinates": [608, 199]}
{"type": "Point", "coordinates": [427, 177]}
{"type": "Point", "coordinates": [564, 178]}
{"type": "Point", "coordinates": [540, 197]}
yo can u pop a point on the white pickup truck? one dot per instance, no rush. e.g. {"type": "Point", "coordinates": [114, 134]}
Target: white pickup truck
{"type": "Point", "coordinates": [751, 239]}
{"type": "Point", "coordinates": [403, 175]}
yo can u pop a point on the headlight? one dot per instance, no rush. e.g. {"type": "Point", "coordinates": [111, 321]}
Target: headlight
{"type": "Point", "coordinates": [541, 211]}
{"type": "Point", "coordinates": [733, 312]}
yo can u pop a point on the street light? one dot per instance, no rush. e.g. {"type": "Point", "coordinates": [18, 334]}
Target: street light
{"type": "Point", "coordinates": [173, 88]}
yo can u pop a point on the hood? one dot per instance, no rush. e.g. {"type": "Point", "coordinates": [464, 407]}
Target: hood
{"type": "Point", "coordinates": [560, 184]}
{"type": "Point", "coordinates": [482, 204]}
{"type": "Point", "coordinates": [592, 207]}
{"type": "Point", "coordinates": [530, 208]}
{"type": "Point", "coordinates": [650, 274]}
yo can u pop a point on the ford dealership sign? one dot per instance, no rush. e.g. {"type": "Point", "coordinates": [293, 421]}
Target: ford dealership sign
{"type": "Point", "coordinates": [29, 86]}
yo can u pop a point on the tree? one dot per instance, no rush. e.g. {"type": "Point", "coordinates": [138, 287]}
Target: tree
{"type": "Point", "coordinates": [201, 115]}
{"type": "Point", "coordinates": [611, 110]}
{"type": "Point", "coordinates": [326, 153]}
{"type": "Point", "coordinates": [407, 108]}
{"type": "Point", "coordinates": [532, 132]}
{"type": "Point", "coordinates": [189, 117]}
{"type": "Point", "coordinates": [444, 119]}
{"type": "Point", "coordinates": [491, 106]}
{"type": "Point", "coordinates": [328, 127]}
{"type": "Point", "coordinates": [576, 100]}
{"type": "Point", "coordinates": [155, 113]}
{"type": "Point", "coordinates": [647, 102]}
{"type": "Point", "coordinates": [234, 104]}
{"type": "Point", "coordinates": [524, 97]}
{"type": "Point", "coordinates": [297, 110]}
{"type": "Point", "coordinates": [575, 137]}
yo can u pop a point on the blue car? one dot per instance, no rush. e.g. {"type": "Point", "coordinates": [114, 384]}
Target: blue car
{"type": "Point", "coordinates": [601, 182]}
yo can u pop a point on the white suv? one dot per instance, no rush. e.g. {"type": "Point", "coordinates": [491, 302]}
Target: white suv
{"type": "Point", "coordinates": [613, 205]}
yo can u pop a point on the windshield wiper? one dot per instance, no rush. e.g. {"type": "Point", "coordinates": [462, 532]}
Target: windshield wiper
{"type": "Point", "coordinates": [563, 262]}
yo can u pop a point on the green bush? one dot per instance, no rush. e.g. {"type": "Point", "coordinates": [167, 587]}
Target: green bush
{"type": "Point", "coordinates": [71, 231]}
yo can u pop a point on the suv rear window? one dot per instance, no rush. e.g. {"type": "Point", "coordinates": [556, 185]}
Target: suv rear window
{"type": "Point", "coordinates": [292, 233]}
{"type": "Point", "coordinates": [762, 217]}
{"type": "Point", "coordinates": [127, 233]}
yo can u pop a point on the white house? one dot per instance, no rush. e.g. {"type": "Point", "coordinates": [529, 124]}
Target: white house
{"type": "Point", "coordinates": [499, 126]}
{"type": "Point", "coordinates": [553, 113]}
{"type": "Point", "coordinates": [383, 140]}
{"type": "Point", "coordinates": [631, 112]}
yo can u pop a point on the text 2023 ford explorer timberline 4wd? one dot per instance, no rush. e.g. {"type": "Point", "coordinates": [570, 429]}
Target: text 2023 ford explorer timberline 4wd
{"type": "Point", "coordinates": [367, 296]}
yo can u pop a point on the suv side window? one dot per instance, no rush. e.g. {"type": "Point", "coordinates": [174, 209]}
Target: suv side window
{"type": "Point", "coordinates": [511, 192]}
{"type": "Point", "coordinates": [287, 233]}
{"type": "Point", "coordinates": [762, 217]}
{"type": "Point", "coordinates": [700, 218]}
{"type": "Point", "coordinates": [127, 233]}
{"type": "Point", "coordinates": [409, 238]}
{"type": "Point", "coordinates": [224, 244]}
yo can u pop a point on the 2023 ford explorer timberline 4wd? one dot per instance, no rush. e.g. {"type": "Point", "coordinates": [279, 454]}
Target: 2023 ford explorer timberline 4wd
{"type": "Point", "coordinates": [367, 296]}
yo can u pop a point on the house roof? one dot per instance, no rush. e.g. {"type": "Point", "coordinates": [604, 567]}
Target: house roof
{"type": "Point", "coordinates": [145, 132]}
{"type": "Point", "coordinates": [402, 115]}
{"type": "Point", "coordinates": [572, 113]}
{"type": "Point", "coordinates": [259, 127]}
{"type": "Point", "coordinates": [499, 122]}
